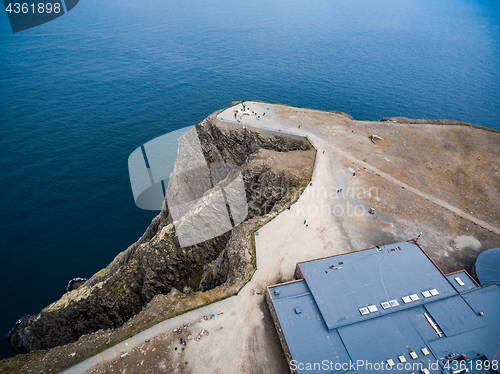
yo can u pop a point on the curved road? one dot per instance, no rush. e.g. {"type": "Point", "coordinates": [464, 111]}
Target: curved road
{"type": "Point", "coordinates": [270, 122]}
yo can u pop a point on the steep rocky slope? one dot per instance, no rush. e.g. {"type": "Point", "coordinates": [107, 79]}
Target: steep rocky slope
{"type": "Point", "coordinates": [156, 264]}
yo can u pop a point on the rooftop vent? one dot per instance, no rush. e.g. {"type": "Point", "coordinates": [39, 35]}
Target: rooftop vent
{"type": "Point", "coordinates": [372, 308]}
{"type": "Point", "coordinates": [426, 294]}
{"type": "Point", "coordinates": [385, 305]}
{"type": "Point", "coordinates": [434, 292]}
{"type": "Point", "coordinates": [459, 281]}
{"type": "Point", "coordinates": [414, 297]}
{"type": "Point", "coordinates": [298, 310]}
{"type": "Point", "coordinates": [277, 291]}
{"type": "Point", "coordinates": [394, 303]}
{"type": "Point", "coordinates": [406, 299]}
{"type": "Point", "coordinates": [364, 311]}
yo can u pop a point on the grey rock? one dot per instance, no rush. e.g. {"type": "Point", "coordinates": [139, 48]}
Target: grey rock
{"type": "Point", "coordinates": [156, 263]}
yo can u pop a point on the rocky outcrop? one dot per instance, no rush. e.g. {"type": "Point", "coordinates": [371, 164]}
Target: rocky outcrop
{"type": "Point", "coordinates": [274, 168]}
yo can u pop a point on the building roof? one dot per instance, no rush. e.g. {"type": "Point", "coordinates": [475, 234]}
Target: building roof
{"type": "Point", "coordinates": [488, 266]}
{"type": "Point", "coordinates": [323, 316]}
{"type": "Point", "coordinates": [371, 277]}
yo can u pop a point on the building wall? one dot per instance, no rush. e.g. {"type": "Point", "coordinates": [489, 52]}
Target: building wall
{"type": "Point", "coordinates": [298, 274]}
{"type": "Point", "coordinates": [281, 336]}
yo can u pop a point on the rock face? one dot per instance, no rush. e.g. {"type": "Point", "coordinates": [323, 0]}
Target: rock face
{"type": "Point", "coordinates": [273, 167]}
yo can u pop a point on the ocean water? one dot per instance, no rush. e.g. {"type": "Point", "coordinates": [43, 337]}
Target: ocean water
{"type": "Point", "coordinates": [80, 93]}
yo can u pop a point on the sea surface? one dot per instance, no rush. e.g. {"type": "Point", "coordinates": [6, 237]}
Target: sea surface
{"type": "Point", "coordinates": [80, 93]}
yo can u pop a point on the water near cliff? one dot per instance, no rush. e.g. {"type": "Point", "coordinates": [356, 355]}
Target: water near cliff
{"type": "Point", "coordinates": [80, 93]}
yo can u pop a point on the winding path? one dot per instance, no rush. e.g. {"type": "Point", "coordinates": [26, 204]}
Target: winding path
{"type": "Point", "coordinates": [272, 124]}
{"type": "Point", "coordinates": [279, 246]}
{"type": "Point", "coordinates": [426, 196]}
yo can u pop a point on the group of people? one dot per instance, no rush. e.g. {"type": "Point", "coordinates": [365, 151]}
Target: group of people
{"type": "Point", "coordinates": [246, 111]}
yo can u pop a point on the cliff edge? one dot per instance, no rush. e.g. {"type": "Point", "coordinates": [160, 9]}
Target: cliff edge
{"type": "Point", "coordinates": [157, 265]}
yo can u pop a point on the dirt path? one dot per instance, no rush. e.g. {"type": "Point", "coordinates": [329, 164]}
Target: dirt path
{"type": "Point", "coordinates": [239, 340]}
{"type": "Point", "coordinates": [243, 339]}
{"type": "Point", "coordinates": [426, 196]}
{"type": "Point", "coordinates": [273, 123]}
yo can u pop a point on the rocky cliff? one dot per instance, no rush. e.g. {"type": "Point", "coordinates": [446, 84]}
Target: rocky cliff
{"type": "Point", "coordinates": [274, 169]}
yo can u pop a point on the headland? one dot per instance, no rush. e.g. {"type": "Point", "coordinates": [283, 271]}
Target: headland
{"type": "Point", "coordinates": [373, 183]}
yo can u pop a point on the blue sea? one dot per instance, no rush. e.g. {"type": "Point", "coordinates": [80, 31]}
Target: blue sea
{"type": "Point", "coordinates": [80, 93]}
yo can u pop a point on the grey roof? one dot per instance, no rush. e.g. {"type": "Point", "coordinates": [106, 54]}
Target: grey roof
{"type": "Point", "coordinates": [488, 266]}
{"type": "Point", "coordinates": [321, 320]}
{"type": "Point", "coordinates": [308, 326]}
{"type": "Point", "coordinates": [457, 278]}
{"type": "Point", "coordinates": [371, 277]}
{"type": "Point", "coordinates": [452, 317]}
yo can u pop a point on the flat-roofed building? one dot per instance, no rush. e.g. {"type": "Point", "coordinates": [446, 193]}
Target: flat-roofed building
{"type": "Point", "coordinates": [388, 308]}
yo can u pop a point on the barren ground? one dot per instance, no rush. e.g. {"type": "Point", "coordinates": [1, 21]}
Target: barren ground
{"type": "Point", "coordinates": [455, 164]}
